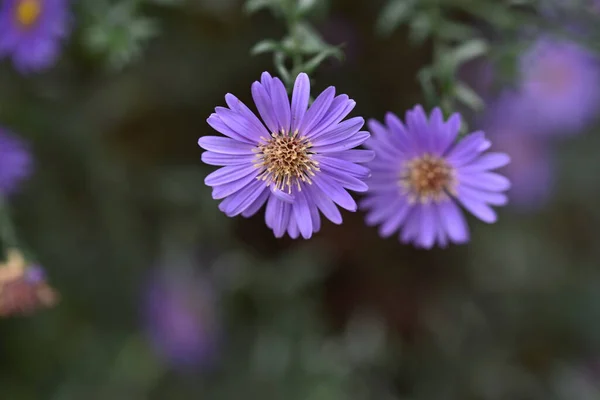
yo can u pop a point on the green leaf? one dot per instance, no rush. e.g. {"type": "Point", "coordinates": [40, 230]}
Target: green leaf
{"type": "Point", "coordinates": [253, 6]}
{"type": "Point", "coordinates": [451, 30]}
{"type": "Point", "coordinates": [465, 52]}
{"type": "Point", "coordinates": [314, 62]}
{"type": "Point", "coordinates": [425, 77]}
{"type": "Point", "coordinates": [468, 97]}
{"type": "Point", "coordinates": [393, 15]}
{"type": "Point", "coordinates": [304, 40]}
{"type": "Point", "coordinates": [305, 6]}
{"type": "Point", "coordinates": [265, 46]}
{"type": "Point", "coordinates": [421, 26]}
{"type": "Point", "coordinates": [279, 61]}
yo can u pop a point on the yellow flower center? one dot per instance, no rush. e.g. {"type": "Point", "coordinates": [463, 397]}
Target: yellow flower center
{"type": "Point", "coordinates": [427, 178]}
{"type": "Point", "coordinates": [28, 12]}
{"type": "Point", "coordinates": [286, 160]}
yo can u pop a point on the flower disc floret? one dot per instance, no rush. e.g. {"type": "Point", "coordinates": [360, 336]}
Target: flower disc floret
{"type": "Point", "coordinates": [286, 161]}
{"type": "Point", "coordinates": [427, 178]}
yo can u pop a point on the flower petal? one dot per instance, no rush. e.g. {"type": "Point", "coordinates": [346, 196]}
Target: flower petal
{"type": "Point", "coordinates": [256, 205]}
{"type": "Point", "coordinates": [340, 108]}
{"type": "Point", "coordinates": [393, 222]}
{"type": "Point", "coordinates": [347, 181]}
{"type": "Point", "coordinates": [223, 145]}
{"type": "Point", "coordinates": [240, 125]}
{"type": "Point", "coordinates": [292, 229]}
{"type": "Point", "coordinates": [335, 192]}
{"type": "Point", "coordinates": [427, 231]}
{"type": "Point", "coordinates": [381, 207]}
{"type": "Point", "coordinates": [228, 174]}
{"type": "Point", "coordinates": [315, 217]}
{"type": "Point", "coordinates": [325, 204]}
{"type": "Point", "coordinates": [302, 215]}
{"type": "Point", "coordinates": [339, 132]}
{"type": "Point", "coordinates": [281, 105]}
{"type": "Point", "coordinates": [347, 144]}
{"type": "Point", "coordinates": [343, 166]}
{"type": "Point", "coordinates": [478, 208]}
{"type": "Point", "coordinates": [222, 191]}
{"type": "Point", "coordinates": [218, 125]}
{"type": "Point", "coordinates": [240, 201]}
{"type": "Point", "coordinates": [451, 131]}
{"type": "Point", "coordinates": [492, 198]}
{"type": "Point", "coordinates": [277, 215]}
{"type": "Point", "coordinates": [300, 97]}
{"type": "Point", "coordinates": [354, 156]}
{"type": "Point", "coordinates": [398, 136]}
{"type": "Point", "coordinates": [267, 82]}
{"type": "Point", "coordinates": [281, 195]}
{"type": "Point", "coordinates": [264, 106]}
{"type": "Point", "coordinates": [238, 106]}
{"type": "Point", "coordinates": [412, 226]}
{"type": "Point", "coordinates": [484, 181]}
{"type": "Point", "coordinates": [487, 162]}
{"type": "Point", "coordinates": [453, 221]}
{"type": "Point", "coordinates": [316, 111]}
{"type": "Point", "coordinates": [210, 158]}
{"type": "Point", "coordinates": [467, 149]}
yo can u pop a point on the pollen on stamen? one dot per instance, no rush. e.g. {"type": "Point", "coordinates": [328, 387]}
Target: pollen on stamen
{"type": "Point", "coordinates": [286, 161]}
{"type": "Point", "coordinates": [427, 178]}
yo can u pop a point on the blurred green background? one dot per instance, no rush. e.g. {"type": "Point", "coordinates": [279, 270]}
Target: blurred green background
{"type": "Point", "coordinates": [118, 195]}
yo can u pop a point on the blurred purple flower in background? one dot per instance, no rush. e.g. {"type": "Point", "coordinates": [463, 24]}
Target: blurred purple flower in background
{"type": "Point", "coordinates": [180, 316]}
{"type": "Point", "coordinates": [15, 162]}
{"type": "Point", "coordinates": [302, 162]}
{"type": "Point", "coordinates": [31, 32]}
{"type": "Point", "coordinates": [419, 173]}
{"type": "Point", "coordinates": [558, 92]}
{"type": "Point", "coordinates": [531, 168]}
{"type": "Point", "coordinates": [480, 74]}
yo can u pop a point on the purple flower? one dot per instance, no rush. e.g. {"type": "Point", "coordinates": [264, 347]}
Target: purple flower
{"type": "Point", "coordinates": [419, 173]}
{"type": "Point", "coordinates": [179, 313]}
{"type": "Point", "coordinates": [31, 32]}
{"type": "Point", "coordinates": [531, 170]}
{"type": "Point", "coordinates": [302, 162]}
{"type": "Point", "coordinates": [15, 162]}
{"type": "Point", "coordinates": [558, 92]}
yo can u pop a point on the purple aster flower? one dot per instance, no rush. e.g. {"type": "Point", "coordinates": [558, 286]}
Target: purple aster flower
{"type": "Point", "coordinates": [301, 162]}
{"type": "Point", "coordinates": [179, 313]}
{"type": "Point", "coordinates": [31, 32]}
{"type": "Point", "coordinates": [420, 173]}
{"type": "Point", "coordinates": [531, 170]}
{"type": "Point", "coordinates": [15, 162]}
{"type": "Point", "coordinates": [558, 92]}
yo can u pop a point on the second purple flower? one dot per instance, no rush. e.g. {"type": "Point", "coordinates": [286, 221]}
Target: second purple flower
{"type": "Point", "coordinates": [300, 161]}
{"type": "Point", "coordinates": [420, 174]}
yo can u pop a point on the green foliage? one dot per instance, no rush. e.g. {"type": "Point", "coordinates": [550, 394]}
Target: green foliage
{"type": "Point", "coordinates": [303, 47]}
{"type": "Point", "coordinates": [116, 32]}
{"type": "Point", "coordinates": [455, 42]}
